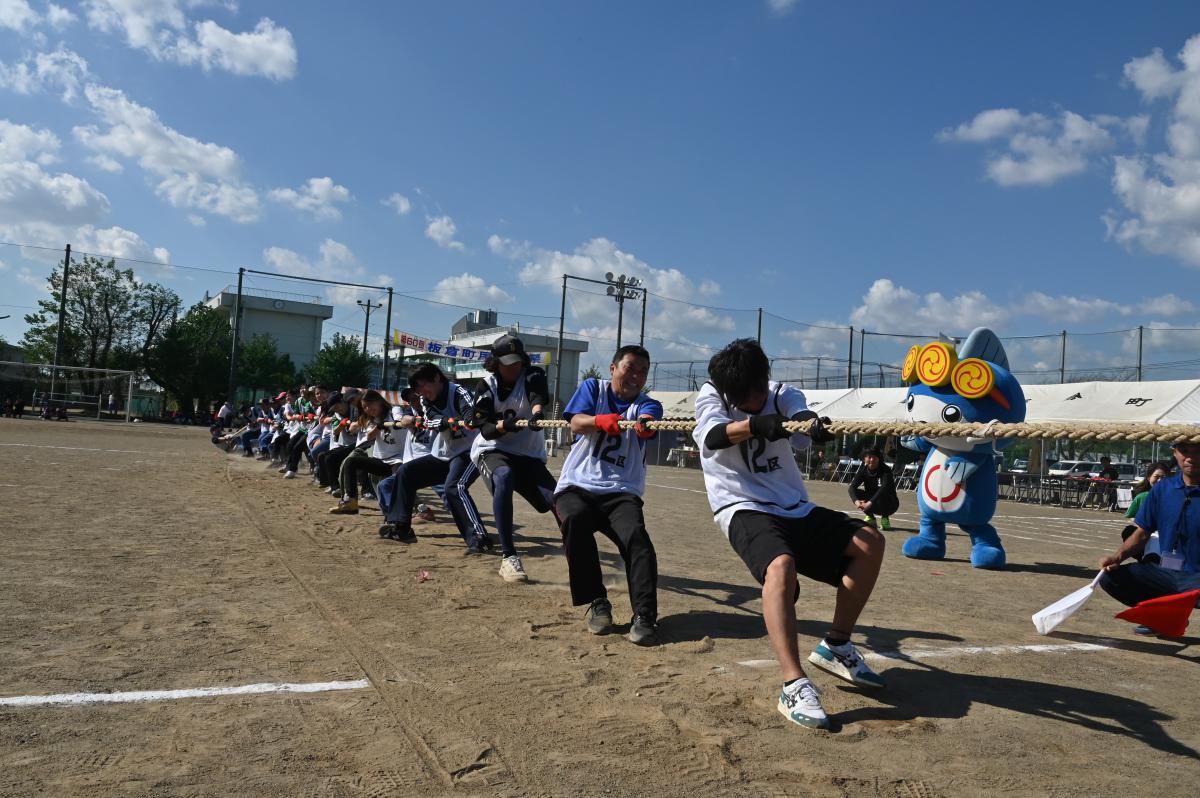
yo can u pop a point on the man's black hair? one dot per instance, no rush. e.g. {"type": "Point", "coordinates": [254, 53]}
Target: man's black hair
{"type": "Point", "coordinates": [320, 386]}
{"type": "Point", "coordinates": [872, 450]}
{"type": "Point", "coordinates": [739, 370]}
{"type": "Point", "coordinates": [630, 349]}
{"type": "Point", "coordinates": [428, 372]}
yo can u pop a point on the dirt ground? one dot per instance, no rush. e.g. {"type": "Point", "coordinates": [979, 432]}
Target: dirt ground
{"type": "Point", "coordinates": [141, 558]}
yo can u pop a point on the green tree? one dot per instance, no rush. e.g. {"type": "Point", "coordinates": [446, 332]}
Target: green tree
{"type": "Point", "coordinates": [591, 371]}
{"type": "Point", "coordinates": [190, 360]}
{"type": "Point", "coordinates": [260, 365]}
{"type": "Point", "coordinates": [340, 362]}
{"type": "Point", "coordinates": [111, 318]}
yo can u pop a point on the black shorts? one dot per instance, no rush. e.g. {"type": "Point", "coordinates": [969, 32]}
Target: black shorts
{"type": "Point", "coordinates": [817, 542]}
{"type": "Point", "coordinates": [529, 474]}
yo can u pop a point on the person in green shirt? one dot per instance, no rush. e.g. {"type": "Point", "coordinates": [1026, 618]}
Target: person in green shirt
{"type": "Point", "coordinates": [1154, 473]}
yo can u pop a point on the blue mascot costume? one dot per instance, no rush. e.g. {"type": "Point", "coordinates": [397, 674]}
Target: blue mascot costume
{"type": "Point", "coordinates": [958, 480]}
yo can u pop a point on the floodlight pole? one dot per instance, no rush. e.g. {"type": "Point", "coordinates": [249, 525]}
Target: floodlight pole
{"type": "Point", "coordinates": [562, 318]}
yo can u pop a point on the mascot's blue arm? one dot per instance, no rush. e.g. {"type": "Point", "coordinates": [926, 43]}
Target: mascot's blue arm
{"type": "Point", "coordinates": [915, 443]}
{"type": "Point", "coordinates": [960, 469]}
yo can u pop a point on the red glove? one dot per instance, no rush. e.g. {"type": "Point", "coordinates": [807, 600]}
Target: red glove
{"type": "Point", "coordinates": [642, 430]}
{"type": "Point", "coordinates": [608, 424]}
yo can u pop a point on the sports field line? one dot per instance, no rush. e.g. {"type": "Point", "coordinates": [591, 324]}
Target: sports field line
{"type": "Point", "coordinates": [956, 651]}
{"type": "Point", "coordinates": [174, 695]}
{"type": "Point", "coordinates": [76, 448]}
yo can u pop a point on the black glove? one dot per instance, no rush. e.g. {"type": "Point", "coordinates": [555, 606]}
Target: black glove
{"type": "Point", "coordinates": [817, 432]}
{"type": "Point", "coordinates": [509, 417]}
{"type": "Point", "coordinates": [769, 426]}
{"type": "Point", "coordinates": [536, 419]}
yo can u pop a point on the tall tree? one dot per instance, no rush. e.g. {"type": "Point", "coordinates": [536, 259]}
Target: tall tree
{"type": "Point", "coordinates": [111, 318]}
{"type": "Point", "coordinates": [340, 362]}
{"type": "Point", "coordinates": [260, 365]}
{"type": "Point", "coordinates": [190, 360]}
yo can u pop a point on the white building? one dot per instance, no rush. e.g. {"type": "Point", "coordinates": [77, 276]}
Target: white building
{"type": "Point", "coordinates": [293, 320]}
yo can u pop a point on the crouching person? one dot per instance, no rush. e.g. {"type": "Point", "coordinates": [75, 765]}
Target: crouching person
{"type": "Point", "coordinates": [759, 501]}
{"type": "Point", "coordinates": [600, 490]}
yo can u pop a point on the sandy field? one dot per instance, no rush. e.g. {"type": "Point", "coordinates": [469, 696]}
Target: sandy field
{"type": "Point", "coordinates": [141, 558]}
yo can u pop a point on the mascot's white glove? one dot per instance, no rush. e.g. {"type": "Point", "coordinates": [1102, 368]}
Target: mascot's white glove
{"type": "Point", "coordinates": [984, 437]}
{"type": "Point", "coordinates": [959, 470]}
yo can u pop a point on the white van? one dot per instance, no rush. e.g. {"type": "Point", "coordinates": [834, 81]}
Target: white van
{"type": "Point", "coordinates": [1072, 468]}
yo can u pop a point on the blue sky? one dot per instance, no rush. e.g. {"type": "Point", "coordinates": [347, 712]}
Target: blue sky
{"type": "Point", "coordinates": [915, 167]}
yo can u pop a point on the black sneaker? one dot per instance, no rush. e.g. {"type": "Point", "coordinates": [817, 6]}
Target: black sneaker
{"type": "Point", "coordinates": [643, 631]}
{"type": "Point", "coordinates": [599, 617]}
{"type": "Point", "coordinates": [484, 544]}
{"type": "Point", "coordinates": [473, 548]}
{"type": "Point", "coordinates": [386, 530]}
{"type": "Point", "coordinates": [402, 533]}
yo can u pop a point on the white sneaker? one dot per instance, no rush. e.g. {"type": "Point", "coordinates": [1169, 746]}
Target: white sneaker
{"type": "Point", "coordinates": [289, 475]}
{"type": "Point", "coordinates": [800, 702]}
{"type": "Point", "coordinates": [511, 570]}
{"type": "Point", "coordinates": [846, 663]}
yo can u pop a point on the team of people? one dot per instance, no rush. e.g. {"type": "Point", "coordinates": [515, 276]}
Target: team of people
{"type": "Point", "coordinates": [445, 436]}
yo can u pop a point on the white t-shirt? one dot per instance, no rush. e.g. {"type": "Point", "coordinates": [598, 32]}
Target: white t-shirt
{"type": "Point", "coordinates": [756, 474]}
{"type": "Point", "coordinates": [446, 445]}
{"type": "Point", "coordinates": [390, 442]}
{"type": "Point", "coordinates": [603, 464]}
{"type": "Point", "coordinates": [523, 442]}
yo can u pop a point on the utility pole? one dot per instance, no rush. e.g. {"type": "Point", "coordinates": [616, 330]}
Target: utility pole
{"type": "Point", "coordinates": [562, 319]}
{"type": "Point", "coordinates": [758, 335]}
{"type": "Point", "coordinates": [368, 306]}
{"type": "Point", "coordinates": [237, 334]}
{"type": "Point", "coordinates": [1139, 363]}
{"type": "Point", "coordinates": [387, 340]}
{"type": "Point", "coordinates": [62, 311]}
{"type": "Point", "coordinates": [1062, 363]}
{"type": "Point", "coordinates": [850, 360]}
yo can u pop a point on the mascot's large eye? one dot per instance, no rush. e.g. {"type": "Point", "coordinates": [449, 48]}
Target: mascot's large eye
{"type": "Point", "coordinates": [910, 402]}
{"type": "Point", "coordinates": [951, 414]}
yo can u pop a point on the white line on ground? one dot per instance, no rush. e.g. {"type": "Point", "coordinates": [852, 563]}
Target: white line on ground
{"type": "Point", "coordinates": [674, 487]}
{"type": "Point", "coordinates": [75, 448]}
{"type": "Point", "coordinates": [955, 651]}
{"type": "Point", "coordinates": [172, 695]}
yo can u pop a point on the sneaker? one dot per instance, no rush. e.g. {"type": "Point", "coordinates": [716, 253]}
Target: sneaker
{"type": "Point", "coordinates": [885, 524]}
{"type": "Point", "coordinates": [511, 569]}
{"type": "Point", "coordinates": [289, 474]}
{"type": "Point", "coordinates": [425, 515]}
{"type": "Point", "coordinates": [643, 631]}
{"type": "Point", "coordinates": [401, 533]}
{"type": "Point", "coordinates": [846, 663]}
{"type": "Point", "coordinates": [484, 544]}
{"type": "Point", "coordinates": [800, 702]}
{"type": "Point", "coordinates": [368, 496]}
{"type": "Point", "coordinates": [1143, 630]}
{"type": "Point", "coordinates": [335, 493]}
{"type": "Point", "coordinates": [282, 469]}
{"type": "Point", "coordinates": [473, 548]}
{"type": "Point", "coordinates": [599, 617]}
{"type": "Point", "coordinates": [870, 519]}
{"type": "Point", "coordinates": [348, 507]}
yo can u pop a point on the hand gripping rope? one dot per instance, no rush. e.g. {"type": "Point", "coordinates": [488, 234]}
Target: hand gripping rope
{"type": "Point", "coordinates": [1163, 433]}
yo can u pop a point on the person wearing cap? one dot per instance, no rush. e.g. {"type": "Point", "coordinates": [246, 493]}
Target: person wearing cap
{"type": "Point", "coordinates": [446, 412]}
{"type": "Point", "coordinates": [387, 450]}
{"type": "Point", "coordinates": [302, 419]}
{"type": "Point", "coordinates": [512, 459]}
{"type": "Point", "coordinates": [1172, 509]}
{"type": "Point", "coordinates": [265, 423]}
{"type": "Point", "coordinates": [600, 490]}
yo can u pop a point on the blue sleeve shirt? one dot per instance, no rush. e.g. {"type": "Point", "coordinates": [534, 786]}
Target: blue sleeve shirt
{"type": "Point", "coordinates": [1172, 509]}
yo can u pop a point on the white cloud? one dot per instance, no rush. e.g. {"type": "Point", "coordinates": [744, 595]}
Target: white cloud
{"type": "Point", "coordinates": [1040, 151]}
{"type": "Point", "coordinates": [196, 220]}
{"type": "Point", "coordinates": [1160, 193]}
{"type": "Point", "coordinates": [441, 230]}
{"type": "Point", "coordinates": [63, 70]}
{"type": "Point", "coordinates": [59, 17]}
{"type": "Point", "coordinates": [677, 329]}
{"type": "Point", "coordinates": [893, 308]}
{"type": "Point", "coordinates": [334, 261]}
{"type": "Point", "coordinates": [192, 174]}
{"type": "Point", "coordinates": [163, 29]}
{"type": "Point", "coordinates": [782, 7]}
{"type": "Point", "coordinates": [399, 203]}
{"type": "Point", "coordinates": [106, 164]}
{"type": "Point", "coordinates": [17, 15]}
{"type": "Point", "coordinates": [20, 143]}
{"type": "Point", "coordinates": [470, 290]}
{"type": "Point", "coordinates": [318, 197]}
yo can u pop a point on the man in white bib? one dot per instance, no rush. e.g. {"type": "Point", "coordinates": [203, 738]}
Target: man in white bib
{"type": "Point", "coordinates": [600, 490]}
{"type": "Point", "coordinates": [760, 502]}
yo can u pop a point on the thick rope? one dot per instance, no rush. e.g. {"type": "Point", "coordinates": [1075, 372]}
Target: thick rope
{"type": "Point", "coordinates": [1163, 433]}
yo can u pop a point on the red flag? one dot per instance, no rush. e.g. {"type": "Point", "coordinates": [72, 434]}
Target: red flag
{"type": "Point", "coordinates": [1167, 615]}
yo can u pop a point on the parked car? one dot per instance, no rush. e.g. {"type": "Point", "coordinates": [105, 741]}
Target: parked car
{"type": "Point", "coordinates": [1072, 469]}
{"type": "Point", "coordinates": [1126, 472]}
{"type": "Point", "coordinates": [1020, 467]}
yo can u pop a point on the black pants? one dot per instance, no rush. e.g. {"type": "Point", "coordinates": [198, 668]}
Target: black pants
{"type": "Point", "coordinates": [359, 467]}
{"type": "Point", "coordinates": [455, 475]}
{"type": "Point", "coordinates": [884, 506]}
{"type": "Point", "coordinates": [329, 465]}
{"type": "Point", "coordinates": [618, 516]}
{"type": "Point", "coordinates": [297, 447]}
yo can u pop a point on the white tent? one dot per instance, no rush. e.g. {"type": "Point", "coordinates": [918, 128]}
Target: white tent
{"type": "Point", "coordinates": [819, 399]}
{"type": "Point", "coordinates": [676, 404]}
{"type": "Point", "coordinates": [1125, 402]}
{"type": "Point", "coordinates": [868, 404]}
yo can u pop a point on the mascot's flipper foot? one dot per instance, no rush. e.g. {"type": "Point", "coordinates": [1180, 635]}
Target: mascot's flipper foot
{"type": "Point", "coordinates": [985, 556]}
{"type": "Point", "coordinates": [922, 548]}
